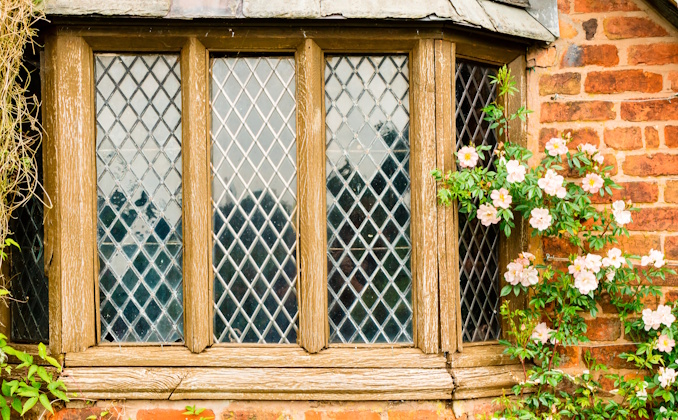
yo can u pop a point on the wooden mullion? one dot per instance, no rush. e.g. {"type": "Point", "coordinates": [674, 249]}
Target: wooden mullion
{"type": "Point", "coordinates": [424, 212]}
{"type": "Point", "coordinates": [196, 197]}
{"type": "Point", "coordinates": [313, 316]}
{"type": "Point", "coordinates": [70, 182]}
{"type": "Point", "coordinates": [447, 269]}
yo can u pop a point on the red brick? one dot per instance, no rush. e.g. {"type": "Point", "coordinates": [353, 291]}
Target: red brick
{"type": "Point", "coordinates": [659, 110]}
{"type": "Point", "coordinates": [639, 244]}
{"type": "Point", "coordinates": [637, 192]}
{"type": "Point", "coordinates": [623, 81]}
{"type": "Point", "coordinates": [166, 414]}
{"type": "Point", "coordinates": [80, 414]}
{"type": "Point", "coordinates": [673, 78]}
{"type": "Point", "coordinates": [354, 415]}
{"type": "Point", "coordinates": [655, 218]}
{"type": "Point", "coordinates": [609, 355]}
{"type": "Point", "coordinates": [590, 27]}
{"type": "Point", "coordinates": [663, 53]}
{"type": "Point", "coordinates": [413, 415]}
{"type": "Point", "coordinates": [594, 6]}
{"type": "Point", "coordinates": [567, 31]}
{"type": "Point", "coordinates": [313, 415]}
{"type": "Point", "coordinates": [563, 83]}
{"type": "Point", "coordinates": [624, 138]}
{"type": "Point", "coordinates": [590, 55]}
{"type": "Point", "coordinates": [559, 247]}
{"type": "Point", "coordinates": [579, 136]}
{"type": "Point", "coordinates": [671, 135]}
{"type": "Point", "coordinates": [254, 415]}
{"type": "Point", "coordinates": [577, 111]}
{"type": "Point", "coordinates": [651, 137]}
{"type": "Point", "coordinates": [671, 247]}
{"type": "Point", "coordinates": [569, 356]}
{"type": "Point", "coordinates": [603, 329]}
{"type": "Point", "coordinates": [671, 192]}
{"type": "Point", "coordinates": [622, 27]}
{"type": "Point", "coordinates": [564, 6]}
{"type": "Point", "coordinates": [671, 295]}
{"type": "Point", "coordinates": [656, 164]}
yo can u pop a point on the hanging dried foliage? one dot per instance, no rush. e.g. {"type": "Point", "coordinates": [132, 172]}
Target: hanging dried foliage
{"type": "Point", "coordinates": [20, 131]}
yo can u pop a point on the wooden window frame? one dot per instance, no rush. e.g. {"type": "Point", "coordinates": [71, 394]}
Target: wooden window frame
{"type": "Point", "coordinates": [313, 369]}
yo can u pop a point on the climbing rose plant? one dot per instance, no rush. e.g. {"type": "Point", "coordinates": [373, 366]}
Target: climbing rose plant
{"type": "Point", "coordinates": [554, 198]}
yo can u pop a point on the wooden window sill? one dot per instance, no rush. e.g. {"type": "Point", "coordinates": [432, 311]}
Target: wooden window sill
{"type": "Point", "coordinates": [483, 371]}
{"type": "Point", "coordinates": [260, 383]}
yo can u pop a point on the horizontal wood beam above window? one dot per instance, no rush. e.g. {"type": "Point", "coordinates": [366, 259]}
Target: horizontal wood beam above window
{"type": "Point", "coordinates": [260, 384]}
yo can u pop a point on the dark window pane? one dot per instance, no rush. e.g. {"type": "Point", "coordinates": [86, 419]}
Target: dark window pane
{"type": "Point", "coordinates": [29, 285]}
{"type": "Point", "coordinates": [254, 199]}
{"type": "Point", "coordinates": [368, 199]}
{"type": "Point", "coordinates": [138, 104]}
{"type": "Point", "coordinates": [478, 245]}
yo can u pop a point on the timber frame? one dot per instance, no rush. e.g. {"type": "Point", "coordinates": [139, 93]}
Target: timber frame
{"type": "Point", "coordinates": [436, 366]}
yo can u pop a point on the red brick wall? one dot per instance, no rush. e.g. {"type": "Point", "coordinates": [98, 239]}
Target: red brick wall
{"type": "Point", "coordinates": [610, 51]}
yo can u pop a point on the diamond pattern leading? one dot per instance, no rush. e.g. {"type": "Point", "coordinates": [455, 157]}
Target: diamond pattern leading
{"type": "Point", "coordinates": [30, 320]}
{"type": "Point", "coordinates": [138, 105]}
{"type": "Point", "coordinates": [478, 245]}
{"type": "Point", "coordinates": [368, 199]}
{"type": "Point", "coordinates": [254, 193]}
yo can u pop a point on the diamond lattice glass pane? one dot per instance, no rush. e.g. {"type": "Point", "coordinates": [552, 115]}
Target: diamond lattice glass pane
{"type": "Point", "coordinates": [138, 103]}
{"type": "Point", "coordinates": [30, 314]}
{"type": "Point", "coordinates": [254, 193]}
{"type": "Point", "coordinates": [478, 245]}
{"type": "Point", "coordinates": [29, 284]}
{"type": "Point", "coordinates": [368, 199]}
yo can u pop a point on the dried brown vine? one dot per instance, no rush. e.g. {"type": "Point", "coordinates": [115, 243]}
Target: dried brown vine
{"type": "Point", "coordinates": [20, 130]}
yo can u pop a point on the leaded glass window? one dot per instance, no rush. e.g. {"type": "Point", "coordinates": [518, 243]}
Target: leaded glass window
{"type": "Point", "coordinates": [29, 311]}
{"type": "Point", "coordinates": [368, 199]}
{"type": "Point", "coordinates": [138, 151]}
{"type": "Point", "coordinates": [478, 244]}
{"type": "Point", "coordinates": [254, 199]}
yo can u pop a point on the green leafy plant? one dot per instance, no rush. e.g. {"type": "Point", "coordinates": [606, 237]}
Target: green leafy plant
{"type": "Point", "coordinates": [555, 198]}
{"type": "Point", "coordinates": [192, 410]}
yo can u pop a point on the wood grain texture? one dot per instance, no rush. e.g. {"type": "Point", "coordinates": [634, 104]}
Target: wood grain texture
{"type": "Point", "coordinates": [197, 214]}
{"type": "Point", "coordinates": [424, 205]}
{"type": "Point", "coordinates": [313, 316]}
{"type": "Point", "coordinates": [447, 275]}
{"type": "Point", "coordinates": [276, 357]}
{"type": "Point", "coordinates": [480, 356]}
{"type": "Point", "coordinates": [481, 382]}
{"type": "Point", "coordinates": [70, 181]}
{"type": "Point", "coordinates": [260, 383]}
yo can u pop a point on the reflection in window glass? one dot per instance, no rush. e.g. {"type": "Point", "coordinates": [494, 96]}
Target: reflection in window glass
{"type": "Point", "coordinates": [368, 199]}
{"type": "Point", "coordinates": [138, 116]}
{"type": "Point", "coordinates": [478, 244]}
{"type": "Point", "coordinates": [254, 193]}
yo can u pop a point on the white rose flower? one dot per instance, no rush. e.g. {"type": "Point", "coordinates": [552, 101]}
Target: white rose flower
{"type": "Point", "coordinates": [552, 184]}
{"type": "Point", "coordinates": [621, 216]}
{"type": "Point", "coordinates": [586, 282]}
{"type": "Point", "coordinates": [655, 258]}
{"type": "Point", "coordinates": [667, 377]}
{"type": "Point", "coordinates": [665, 343]}
{"type": "Point", "coordinates": [487, 215]}
{"type": "Point", "coordinates": [577, 266]}
{"type": "Point", "coordinates": [594, 262]}
{"type": "Point", "coordinates": [501, 198]}
{"type": "Point", "coordinates": [588, 148]}
{"type": "Point", "coordinates": [516, 171]}
{"type": "Point", "coordinates": [513, 273]}
{"type": "Point", "coordinates": [592, 183]}
{"type": "Point", "coordinates": [556, 146]}
{"type": "Point", "coordinates": [541, 333]}
{"type": "Point", "coordinates": [540, 219]}
{"type": "Point", "coordinates": [468, 157]}
{"type": "Point", "coordinates": [614, 258]}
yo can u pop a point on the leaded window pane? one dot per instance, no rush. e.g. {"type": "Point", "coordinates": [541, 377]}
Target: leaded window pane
{"type": "Point", "coordinates": [254, 199]}
{"type": "Point", "coordinates": [29, 312]}
{"type": "Point", "coordinates": [138, 151]}
{"type": "Point", "coordinates": [478, 245]}
{"type": "Point", "coordinates": [29, 286]}
{"type": "Point", "coordinates": [368, 199]}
